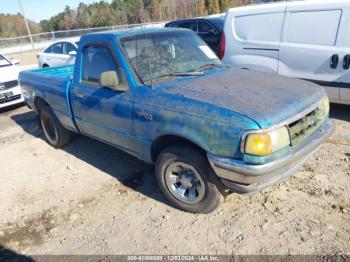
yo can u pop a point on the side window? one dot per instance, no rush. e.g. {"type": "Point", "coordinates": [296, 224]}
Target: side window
{"type": "Point", "coordinates": [96, 60]}
{"type": "Point", "coordinates": [314, 27]}
{"type": "Point", "coordinates": [55, 49]}
{"type": "Point", "coordinates": [204, 27]}
{"type": "Point", "coordinates": [48, 50]}
{"type": "Point", "coordinates": [69, 47]}
{"type": "Point", "coordinates": [347, 36]}
{"type": "Point", "coordinates": [188, 24]}
{"type": "Point", "coordinates": [260, 27]}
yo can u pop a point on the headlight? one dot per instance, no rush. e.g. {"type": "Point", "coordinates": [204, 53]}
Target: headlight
{"type": "Point", "coordinates": [323, 109]}
{"type": "Point", "coordinates": [326, 105]}
{"type": "Point", "coordinates": [265, 143]}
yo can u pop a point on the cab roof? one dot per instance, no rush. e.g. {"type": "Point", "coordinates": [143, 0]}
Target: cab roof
{"type": "Point", "coordinates": [128, 32]}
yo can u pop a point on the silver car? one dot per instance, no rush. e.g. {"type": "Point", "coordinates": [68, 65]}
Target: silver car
{"type": "Point", "coordinates": [59, 53]}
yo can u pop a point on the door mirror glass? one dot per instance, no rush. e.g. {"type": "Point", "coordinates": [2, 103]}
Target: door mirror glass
{"type": "Point", "coordinates": [111, 80]}
{"type": "Point", "coordinates": [72, 53]}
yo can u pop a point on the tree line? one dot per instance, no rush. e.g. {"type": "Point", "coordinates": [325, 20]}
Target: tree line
{"type": "Point", "coordinates": [13, 25]}
{"type": "Point", "coordinates": [118, 12]}
{"type": "Point", "coordinates": [121, 12]}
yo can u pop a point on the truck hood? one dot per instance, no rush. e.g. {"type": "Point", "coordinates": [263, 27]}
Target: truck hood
{"type": "Point", "coordinates": [268, 99]}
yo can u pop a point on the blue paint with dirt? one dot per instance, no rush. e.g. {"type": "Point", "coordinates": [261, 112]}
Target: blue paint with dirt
{"type": "Point", "coordinates": [211, 110]}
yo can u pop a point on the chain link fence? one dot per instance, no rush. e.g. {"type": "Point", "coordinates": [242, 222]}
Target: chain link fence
{"type": "Point", "coordinates": [23, 43]}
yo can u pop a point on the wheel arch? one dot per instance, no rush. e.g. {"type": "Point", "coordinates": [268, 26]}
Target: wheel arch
{"type": "Point", "coordinates": [39, 103]}
{"type": "Point", "coordinates": [168, 140]}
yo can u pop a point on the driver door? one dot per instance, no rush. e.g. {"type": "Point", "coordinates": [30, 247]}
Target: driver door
{"type": "Point", "coordinates": [101, 112]}
{"type": "Point", "coordinates": [53, 56]}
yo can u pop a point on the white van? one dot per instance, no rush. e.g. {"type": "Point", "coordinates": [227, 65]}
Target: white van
{"type": "Point", "coordinates": [303, 39]}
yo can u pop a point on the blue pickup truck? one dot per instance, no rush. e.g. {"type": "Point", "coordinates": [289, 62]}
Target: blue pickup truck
{"type": "Point", "coordinates": [164, 97]}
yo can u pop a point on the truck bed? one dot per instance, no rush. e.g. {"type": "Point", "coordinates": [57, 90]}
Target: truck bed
{"type": "Point", "coordinates": [52, 85]}
{"type": "Point", "coordinates": [65, 71]}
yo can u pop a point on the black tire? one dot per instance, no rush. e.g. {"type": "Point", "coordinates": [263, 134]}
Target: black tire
{"type": "Point", "coordinates": [45, 65]}
{"type": "Point", "coordinates": [56, 135]}
{"type": "Point", "coordinates": [212, 196]}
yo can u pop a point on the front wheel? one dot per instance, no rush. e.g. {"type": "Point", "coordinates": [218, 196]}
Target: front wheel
{"type": "Point", "coordinates": [183, 175]}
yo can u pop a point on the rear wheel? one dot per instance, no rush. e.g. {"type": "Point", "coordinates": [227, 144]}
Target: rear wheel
{"type": "Point", "coordinates": [56, 135]}
{"type": "Point", "coordinates": [183, 175]}
{"type": "Point", "coordinates": [45, 65]}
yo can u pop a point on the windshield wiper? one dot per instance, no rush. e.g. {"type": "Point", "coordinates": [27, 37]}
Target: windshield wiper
{"type": "Point", "coordinates": [210, 66]}
{"type": "Point", "coordinates": [178, 74]}
{"type": "Point", "coordinates": [194, 73]}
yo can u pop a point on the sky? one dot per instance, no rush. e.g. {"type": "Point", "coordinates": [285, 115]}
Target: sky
{"type": "Point", "coordinates": [40, 9]}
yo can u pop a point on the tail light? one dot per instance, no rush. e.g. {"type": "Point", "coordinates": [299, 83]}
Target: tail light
{"type": "Point", "coordinates": [222, 47]}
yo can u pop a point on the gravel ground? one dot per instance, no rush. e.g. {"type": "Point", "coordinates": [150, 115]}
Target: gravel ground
{"type": "Point", "coordinates": [90, 198]}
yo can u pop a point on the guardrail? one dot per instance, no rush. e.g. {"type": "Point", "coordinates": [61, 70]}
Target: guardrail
{"type": "Point", "coordinates": [22, 43]}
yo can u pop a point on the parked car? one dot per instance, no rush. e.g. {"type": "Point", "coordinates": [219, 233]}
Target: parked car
{"type": "Point", "coordinates": [210, 29]}
{"type": "Point", "coordinates": [304, 39]}
{"type": "Point", "coordinates": [10, 91]}
{"type": "Point", "coordinates": [163, 96]}
{"type": "Point", "coordinates": [59, 53]}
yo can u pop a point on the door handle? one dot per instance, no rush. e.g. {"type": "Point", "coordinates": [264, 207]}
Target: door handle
{"type": "Point", "coordinates": [79, 95]}
{"type": "Point", "coordinates": [346, 62]}
{"type": "Point", "coordinates": [334, 61]}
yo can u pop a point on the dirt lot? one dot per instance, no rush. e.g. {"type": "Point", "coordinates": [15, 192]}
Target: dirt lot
{"type": "Point", "coordinates": [90, 198]}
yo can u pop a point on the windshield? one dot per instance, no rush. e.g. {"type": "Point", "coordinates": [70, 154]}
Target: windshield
{"type": "Point", "coordinates": [155, 56]}
{"type": "Point", "coordinates": [4, 61]}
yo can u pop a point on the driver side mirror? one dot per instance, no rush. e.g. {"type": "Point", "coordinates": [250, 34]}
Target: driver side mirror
{"type": "Point", "coordinates": [111, 80]}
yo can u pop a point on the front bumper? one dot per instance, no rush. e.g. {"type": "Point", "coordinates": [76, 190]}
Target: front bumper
{"type": "Point", "coordinates": [11, 96]}
{"type": "Point", "coordinates": [242, 177]}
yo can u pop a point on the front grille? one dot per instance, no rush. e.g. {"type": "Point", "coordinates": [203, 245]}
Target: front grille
{"type": "Point", "coordinates": [8, 84]}
{"type": "Point", "coordinates": [9, 99]}
{"type": "Point", "coordinates": [307, 125]}
{"type": "Point", "coordinates": [11, 84]}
